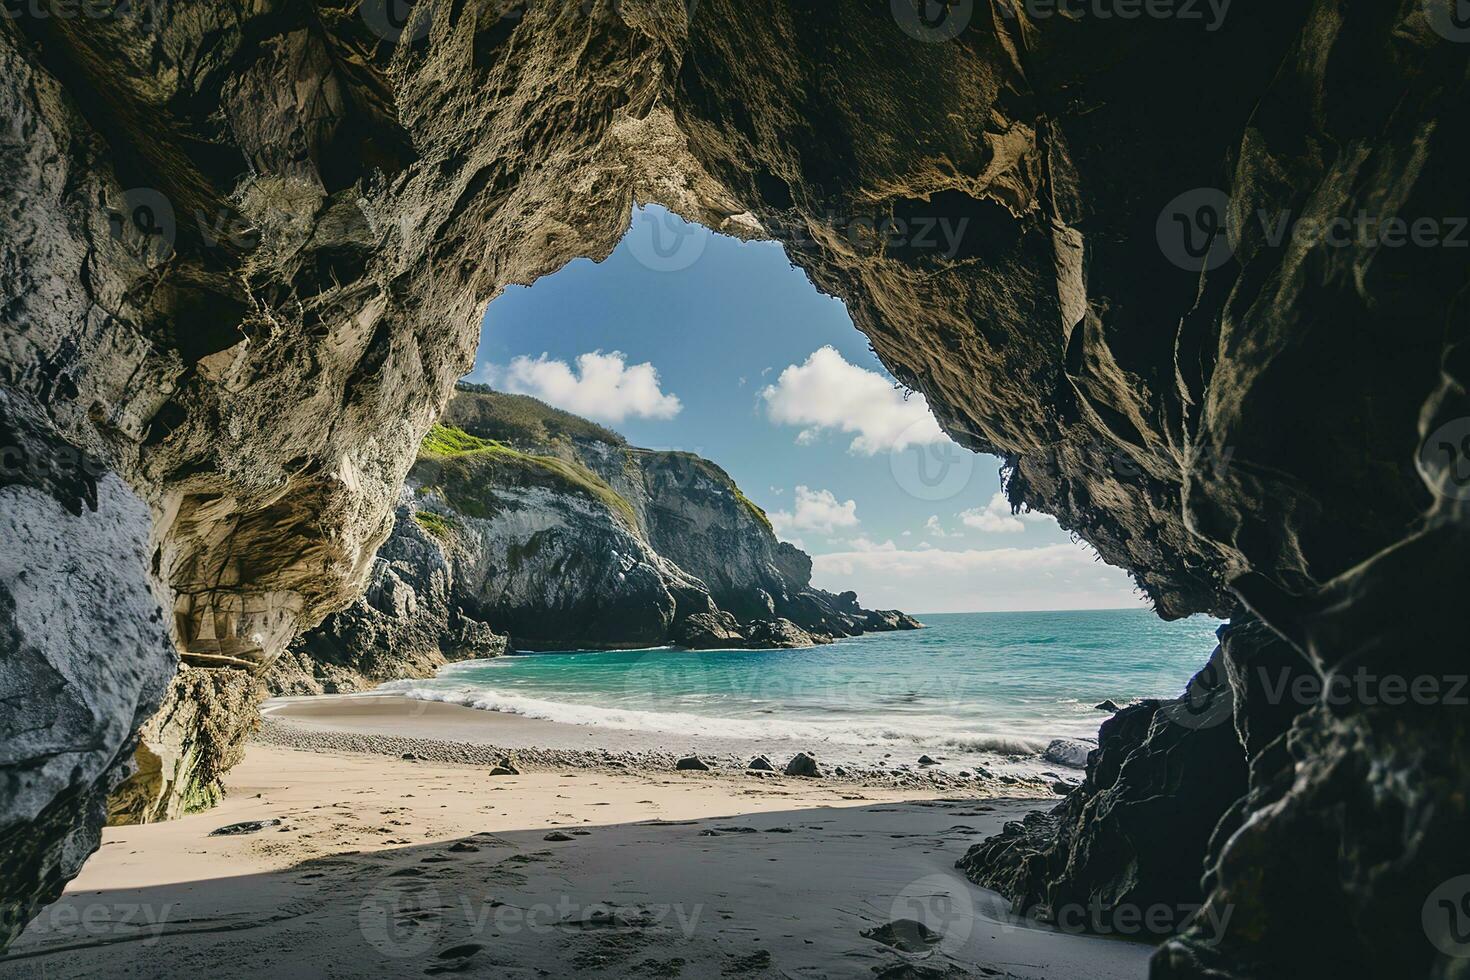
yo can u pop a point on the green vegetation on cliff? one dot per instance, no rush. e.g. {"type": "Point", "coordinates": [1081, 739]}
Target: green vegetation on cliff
{"type": "Point", "coordinates": [755, 509]}
{"type": "Point", "coordinates": [467, 469]}
{"type": "Point", "coordinates": [519, 419]}
{"type": "Point", "coordinates": [440, 526]}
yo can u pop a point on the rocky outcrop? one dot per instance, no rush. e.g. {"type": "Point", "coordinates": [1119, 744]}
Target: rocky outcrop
{"type": "Point", "coordinates": [85, 655]}
{"type": "Point", "coordinates": [197, 735]}
{"type": "Point", "coordinates": [534, 523]}
{"type": "Point", "coordinates": [1204, 294]}
{"type": "Point", "coordinates": [406, 625]}
{"type": "Point", "coordinates": [1135, 834]}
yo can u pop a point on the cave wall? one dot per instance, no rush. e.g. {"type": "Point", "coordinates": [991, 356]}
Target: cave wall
{"type": "Point", "coordinates": [245, 250]}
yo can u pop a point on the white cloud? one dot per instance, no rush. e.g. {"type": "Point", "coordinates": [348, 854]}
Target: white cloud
{"type": "Point", "coordinates": [815, 510]}
{"type": "Point", "coordinates": [601, 386]}
{"type": "Point", "coordinates": [996, 517]}
{"type": "Point", "coordinates": [934, 527]}
{"type": "Point", "coordinates": [826, 392]}
{"type": "Point", "coordinates": [930, 579]}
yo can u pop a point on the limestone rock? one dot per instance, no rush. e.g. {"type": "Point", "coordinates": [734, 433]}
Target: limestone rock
{"type": "Point", "coordinates": [85, 655]}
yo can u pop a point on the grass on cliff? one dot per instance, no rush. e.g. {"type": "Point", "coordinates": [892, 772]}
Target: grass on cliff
{"type": "Point", "coordinates": [453, 455]}
{"type": "Point", "coordinates": [717, 473]}
{"type": "Point", "coordinates": [438, 525]}
{"type": "Point", "coordinates": [519, 419]}
{"type": "Point", "coordinates": [755, 509]}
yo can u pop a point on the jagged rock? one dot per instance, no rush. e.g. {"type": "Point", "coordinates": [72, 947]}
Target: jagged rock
{"type": "Point", "coordinates": [908, 935]}
{"type": "Point", "coordinates": [802, 764]}
{"type": "Point", "coordinates": [767, 634]}
{"type": "Point", "coordinates": [407, 624]}
{"type": "Point", "coordinates": [1204, 408]}
{"type": "Point", "coordinates": [1109, 706]}
{"type": "Point", "coordinates": [196, 736]}
{"type": "Point", "coordinates": [1136, 833]}
{"type": "Point", "coordinates": [691, 763]}
{"type": "Point", "coordinates": [245, 827]}
{"type": "Point", "coordinates": [85, 656]}
{"type": "Point", "coordinates": [506, 767]}
{"type": "Point", "coordinates": [762, 764]}
{"type": "Point", "coordinates": [708, 631]}
{"type": "Point", "coordinates": [567, 537]}
{"type": "Point", "coordinates": [1068, 752]}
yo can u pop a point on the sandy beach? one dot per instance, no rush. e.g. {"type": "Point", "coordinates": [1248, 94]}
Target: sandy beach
{"type": "Point", "coordinates": [586, 863]}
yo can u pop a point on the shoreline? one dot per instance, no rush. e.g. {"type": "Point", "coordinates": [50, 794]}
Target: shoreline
{"type": "Point", "coordinates": [397, 726]}
{"type": "Point", "coordinates": [360, 864]}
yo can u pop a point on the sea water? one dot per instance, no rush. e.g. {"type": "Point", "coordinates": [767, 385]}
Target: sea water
{"type": "Point", "coordinates": [972, 684]}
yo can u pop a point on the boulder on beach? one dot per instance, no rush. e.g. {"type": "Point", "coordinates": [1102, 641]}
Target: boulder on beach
{"type": "Point", "coordinates": [691, 763]}
{"type": "Point", "coordinates": [925, 760]}
{"type": "Point", "coordinates": [802, 764]}
{"type": "Point", "coordinates": [1069, 752]}
{"type": "Point", "coordinates": [506, 767]}
{"type": "Point", "coordinates": [761, 763]}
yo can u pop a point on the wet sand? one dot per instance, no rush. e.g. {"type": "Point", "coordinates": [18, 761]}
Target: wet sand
{"type": "Point", "coordinates": [382, 866]}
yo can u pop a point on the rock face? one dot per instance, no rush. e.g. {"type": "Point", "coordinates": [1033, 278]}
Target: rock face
{"type": "Point", "coordinates": [72, 578]}
{"type": "Point", "coordinates": [1203, 290]}
{"type": "Point", "coordinates": [524, 521]}
{"type": "Point", "coordinates": [407, 623]}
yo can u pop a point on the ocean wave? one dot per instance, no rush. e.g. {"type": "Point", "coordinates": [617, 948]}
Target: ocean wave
{"type": "Point", "coordinates": [714, 727]}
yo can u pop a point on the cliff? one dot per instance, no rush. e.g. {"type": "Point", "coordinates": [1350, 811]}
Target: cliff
{"type": "Point", "coordinates": [552, 533]}
{"type": "Point", "coordinates": [1208, 303]}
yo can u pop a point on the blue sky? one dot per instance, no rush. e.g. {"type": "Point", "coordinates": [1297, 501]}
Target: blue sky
{"type": "Point", "coordinates": [683, 339]}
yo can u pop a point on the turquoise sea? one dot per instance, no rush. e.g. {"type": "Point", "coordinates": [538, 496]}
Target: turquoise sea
{"type": "Point", "coordinates": [973, 683]}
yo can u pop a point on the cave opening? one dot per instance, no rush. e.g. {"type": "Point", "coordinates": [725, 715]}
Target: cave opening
{"type": "Point", "coordinates": [1266, 427]}
{"type": "Point", "coordinates": [779, 466]}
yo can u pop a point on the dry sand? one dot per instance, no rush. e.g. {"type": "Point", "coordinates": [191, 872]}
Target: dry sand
{"type": "Point", "coordinates": [386, 867]}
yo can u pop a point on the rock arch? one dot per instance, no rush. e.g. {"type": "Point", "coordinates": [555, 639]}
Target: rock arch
{"type": "Point", "coordinates": [244, 254]}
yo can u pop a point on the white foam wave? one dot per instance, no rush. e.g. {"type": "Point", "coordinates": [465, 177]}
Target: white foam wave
{"type": "Point", "coordinates": [714, 727]}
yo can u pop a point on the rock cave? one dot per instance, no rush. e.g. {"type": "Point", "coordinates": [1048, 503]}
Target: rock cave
{"type": "Point", "coordinates": [245, 249]}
